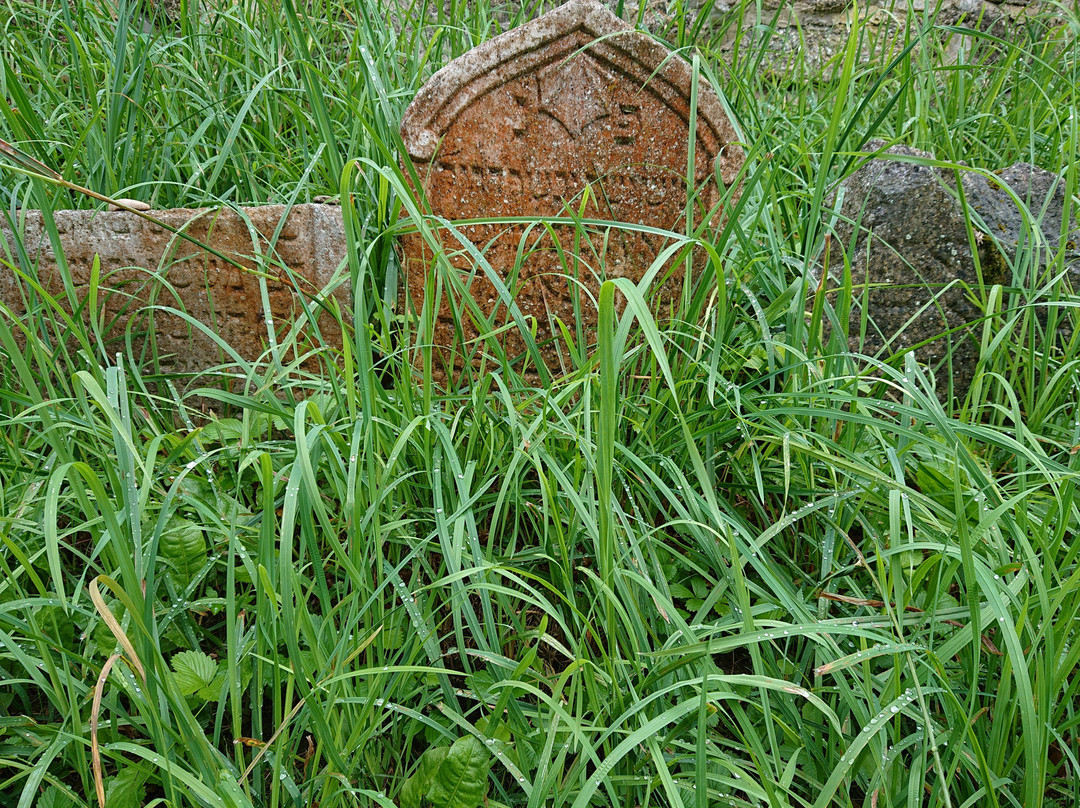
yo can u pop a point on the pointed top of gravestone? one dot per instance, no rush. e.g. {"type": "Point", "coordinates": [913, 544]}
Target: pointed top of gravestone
{"type": "Point", "coordinates": [572, 114]}
{"type": "Point", "coordinates": [548, 42]}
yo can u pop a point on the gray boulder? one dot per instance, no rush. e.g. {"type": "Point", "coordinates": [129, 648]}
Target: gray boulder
{"type": "Point", "coordinates": [912, 266]}
{"type": "Point", "coordinates": [1043, 194]}
{"type": "Point", "coordinates": [912, 261]}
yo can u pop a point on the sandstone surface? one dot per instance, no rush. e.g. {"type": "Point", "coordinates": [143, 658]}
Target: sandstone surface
{"type": "Point", "coordinates": [143, 265]}
{"type": "Point", "coordinates": [573, 113]}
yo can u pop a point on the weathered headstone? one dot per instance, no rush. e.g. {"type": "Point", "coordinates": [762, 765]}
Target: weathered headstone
{"type": "Point", "coordinates": [143, 265]}
{"type": "Point", "coordinates": [521, 126]}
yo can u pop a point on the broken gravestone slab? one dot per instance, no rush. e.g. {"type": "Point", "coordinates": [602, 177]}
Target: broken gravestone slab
{"type": "Point", "coordinates": [143, 265]}
{"type": "Point", "coordinates": [573, 112]}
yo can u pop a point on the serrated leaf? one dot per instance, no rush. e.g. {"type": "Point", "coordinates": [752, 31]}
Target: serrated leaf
{"type": "Point", "coordinates": [55, 798]}
{"type": "Point", "coordinates": [183, 546]}
{"type": "Point", "coordinates": [414, 789]}
{"type": "Point", "coordinates": [213, 690]}
{"type": "Point", "coordinates": [194, 673]}
{"type": "Point", "coordinates": [680, 591]}
{"type": "Point", "coordinates": [226, 430]}
{"type": "Point", "coordinates": [127, 789]}
{"type": "Point", "coordinates": [462, 779]}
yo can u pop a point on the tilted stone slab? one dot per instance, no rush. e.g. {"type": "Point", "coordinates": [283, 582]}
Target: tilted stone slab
{"type": "Point", "coordinates": [144, 265]}
{"type": "Point", "coordinates": [521, 126]}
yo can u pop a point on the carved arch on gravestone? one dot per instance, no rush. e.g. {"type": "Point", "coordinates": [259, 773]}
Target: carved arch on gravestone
{"type": "Point", "coordinates": [579, 26]}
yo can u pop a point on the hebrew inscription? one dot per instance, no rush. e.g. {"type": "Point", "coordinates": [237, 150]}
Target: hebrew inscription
{"type": "Point", "coordinates": [144, 266]}
{"type": "Point", "coordinates": [572, 114]}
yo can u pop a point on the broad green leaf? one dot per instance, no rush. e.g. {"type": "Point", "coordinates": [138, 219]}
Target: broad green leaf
{"type": "Point", "coordinates": [226, 430]}
{"type": "Point", "coordinates": [183, 546]}
{"type": "Point", "coordinates": [414, 789]}
{"type": "Point", "coordinates": [55, 798]}
{"type": "Point", "coordinates": [462, 779]}
{"type": "Point", "coordinates": [127, 789]}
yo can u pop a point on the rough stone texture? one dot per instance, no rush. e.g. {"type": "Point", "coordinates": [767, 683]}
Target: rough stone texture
{"type": "Point", "coordinates": [520, 126]}
{"type": "Point", "coordinates": [817, 30]}
{"type": "Point", "coordinates": [912, 249]}
{"type": "Point", "coordinates": [144, 264]}
{"type": "Point", "coordinates": [1043, 193]}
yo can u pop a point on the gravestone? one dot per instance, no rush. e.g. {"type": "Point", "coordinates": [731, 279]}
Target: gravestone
{"type": "Point", "coordinates": [143, 266]}
{"type": "Point", "coordinates": [571, 113]}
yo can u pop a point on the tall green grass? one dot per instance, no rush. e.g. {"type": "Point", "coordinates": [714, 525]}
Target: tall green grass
{"type": "Point", "coordinates": [721, 560]}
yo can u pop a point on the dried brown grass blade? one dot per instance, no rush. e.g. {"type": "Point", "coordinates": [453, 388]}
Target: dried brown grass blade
{"type": "Point", "coordinates": [95, 711]}
{"type": "Point", "coordinates": [114, 626]}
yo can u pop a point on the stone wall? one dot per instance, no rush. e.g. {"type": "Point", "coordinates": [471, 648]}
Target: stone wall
{"type": "Point", "coordinates": [819, 29]}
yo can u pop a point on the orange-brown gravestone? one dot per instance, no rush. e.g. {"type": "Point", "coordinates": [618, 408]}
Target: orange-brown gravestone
{"type": "Point", "coordinates": [573, 112]}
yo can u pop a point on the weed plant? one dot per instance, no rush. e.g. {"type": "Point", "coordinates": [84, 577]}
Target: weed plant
{"type": "Point", "coordinates": [721, 560]}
